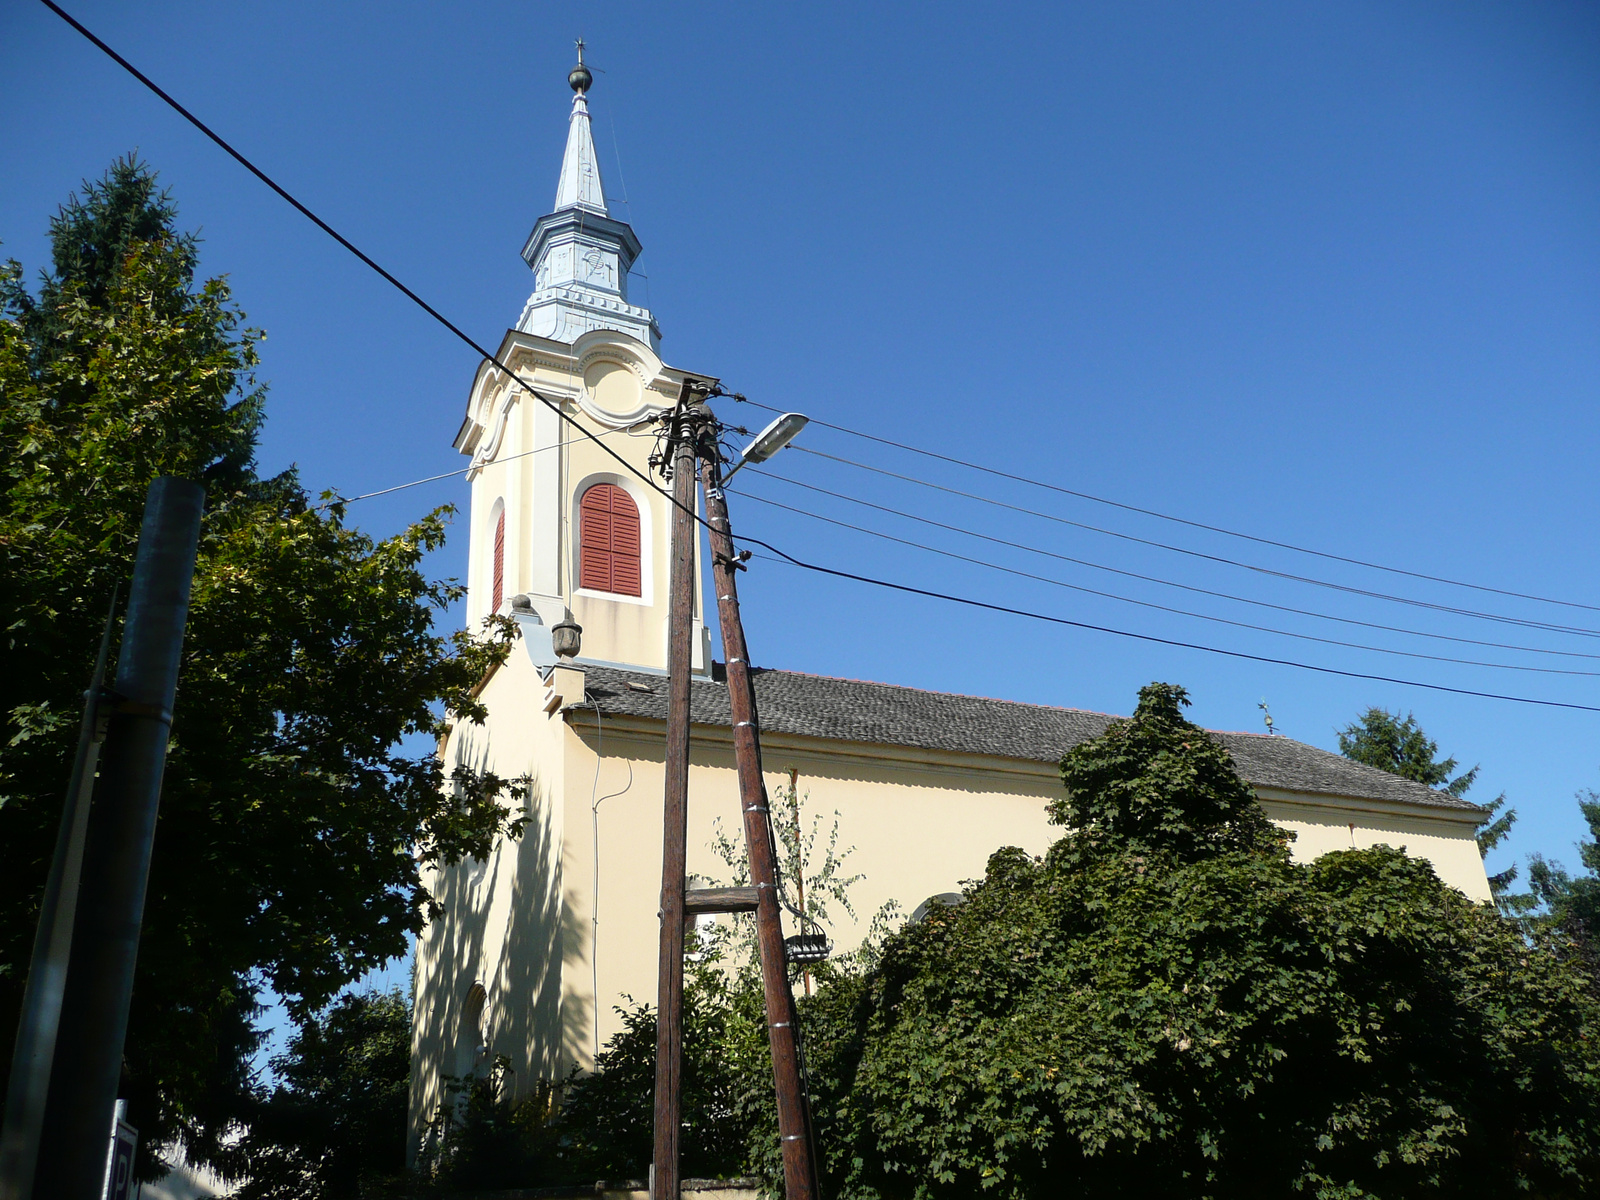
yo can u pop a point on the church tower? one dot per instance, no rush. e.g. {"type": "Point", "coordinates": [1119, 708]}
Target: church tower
{"type": "Point", "coordinates": [559, 527]}
{"type": "Point", "coordinates": [560, 530]}
{"type": "Point", "coordinates": [580, 255]}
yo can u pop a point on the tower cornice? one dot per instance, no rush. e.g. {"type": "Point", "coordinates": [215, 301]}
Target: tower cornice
{"type": "Point", "coordinates": [582, 223]}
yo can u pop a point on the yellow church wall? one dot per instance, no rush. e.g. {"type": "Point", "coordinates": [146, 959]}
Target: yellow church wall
{"type": "Point", "coordinates": [523, 924]}
{"type": "Point", "coordinates": [1323, 823]}
{"type": "Point", "coordinates": [920, 822]}
{"type": "Point", "coordinates": [919, 828]}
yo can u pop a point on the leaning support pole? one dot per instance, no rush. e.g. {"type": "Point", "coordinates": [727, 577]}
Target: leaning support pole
{"type": "Point", "coordinates": [116, 856]}
{"type": "Point", "coordinates": [794, 1109]}
{"type": "Point", "coordinates": [29, 1085]}
{"type": "Point", "coordinates": [688, 422]}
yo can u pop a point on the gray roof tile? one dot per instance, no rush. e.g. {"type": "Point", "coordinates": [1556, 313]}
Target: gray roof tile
{"type": "Point", "coordinates": [888, 715]}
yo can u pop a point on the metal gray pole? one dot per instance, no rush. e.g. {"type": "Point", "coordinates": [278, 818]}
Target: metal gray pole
{"type": "Point", "coordinates": [116, 856]}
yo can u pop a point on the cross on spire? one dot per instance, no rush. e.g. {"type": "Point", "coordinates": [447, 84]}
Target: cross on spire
{"type": "Point", "coordinates": [579, 77]}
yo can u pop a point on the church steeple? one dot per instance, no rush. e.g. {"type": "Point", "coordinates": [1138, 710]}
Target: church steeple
{"type": "Point", "coordinates": [579, 253]}
{"type": "Point", "coordinates": [580, 185]}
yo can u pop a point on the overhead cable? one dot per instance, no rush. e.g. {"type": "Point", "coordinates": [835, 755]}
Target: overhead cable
{"type": "Point", "coordinates": [790, 560]}
{"type": "Point", "coordinates": [1576, 630]}
{"type": "Point", "coordinates": [1182, 612]}
{"type": "Point", "coordinates": [767, 473]}
{"type": "Point", "coordinates": [461, 334]}
{"type": "Point", "coordinates": [1150, 512]}
{"type": "Point", "coordinates": [400, 487]}
{"type": "Point", "coordinates": [781, 555]}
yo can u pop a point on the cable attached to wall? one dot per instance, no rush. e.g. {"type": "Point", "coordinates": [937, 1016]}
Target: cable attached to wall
{"type": "Point", "coordinates": [594, 816]}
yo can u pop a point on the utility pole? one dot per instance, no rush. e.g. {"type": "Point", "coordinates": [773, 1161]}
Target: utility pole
{"type": "Point", "coordinates": [691, 442]}
{"type": "Point", "coordinates": [794, 1107]}
{"type": "Point", "coordinates": [689, 422]}
{"type": "Point", "coordinates": [93, 1025]}
{"type": "Point", "coordinates": [800, 857]}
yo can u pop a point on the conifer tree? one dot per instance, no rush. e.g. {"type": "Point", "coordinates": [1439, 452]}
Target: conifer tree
{"type": "Point", "coordinates": [1382, 739]}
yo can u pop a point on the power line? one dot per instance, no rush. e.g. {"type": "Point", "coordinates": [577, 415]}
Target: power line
{"type": "Point", "coordinates": [1182, 612]}
{"type": "Point", "coordinates": [791, 560]}
{"type": "Point", "coordinates": [556, 408]}
{"type": "Point", "coordinates": [1576, 630]}
{"type": "Point", "coordinates": [1187, 587]}
{"type": "Point", "coordinates": [400, 487]}
{"type": "Point", "coordinates": [782, 555]}
{"type": "Point", "coordinates": [244, 162]}
{"type": "Point", "coordinates": [1150, 512]}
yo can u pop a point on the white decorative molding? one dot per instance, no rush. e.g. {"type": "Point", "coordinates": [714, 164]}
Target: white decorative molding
{"type": "Point", "coordinates": [608, 346]}
{"type": "Point", "coordinates": [488, 449]}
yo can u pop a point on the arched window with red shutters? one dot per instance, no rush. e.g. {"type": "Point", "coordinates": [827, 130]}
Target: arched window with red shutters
{"type": "Point", "coordinates": [498, 592]}
{"type": "Point", "coordinates": [608, 541]}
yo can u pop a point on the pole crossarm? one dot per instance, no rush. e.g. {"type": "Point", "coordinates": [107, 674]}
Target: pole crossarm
{"type": "Point", "coordinates": [698, 901]}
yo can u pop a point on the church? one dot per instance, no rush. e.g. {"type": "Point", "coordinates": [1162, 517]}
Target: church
{"type": "Point", "coordinates": [533, 948]}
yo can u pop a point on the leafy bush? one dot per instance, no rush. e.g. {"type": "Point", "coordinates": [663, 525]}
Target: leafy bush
{"type": "Point", "coordinates": [1165, 1004]}
{"type": "Point", "coordinates": [334, 1122]}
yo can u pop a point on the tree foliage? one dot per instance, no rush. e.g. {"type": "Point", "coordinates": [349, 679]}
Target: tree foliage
{"type": "Point", "coordinates": [1570, 904]}
{"type": "Point", "coordinates": [292, 824]}
{"type": "Point", "coordinates": [1382, 739]}
{"type": "Point", "coordinates": [1166, 1004]}
{"type": "Point", "coordinates": [334, 1122]}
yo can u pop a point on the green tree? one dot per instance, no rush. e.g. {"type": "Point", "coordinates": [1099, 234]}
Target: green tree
{"type": "Point", "coordinates": [334, 1122]}
{"type": "Point", "coordinates": [292, 823]}
{"type": "Point", "coordinates": [1382, 739]}
{"type": "Point", "coordinates": [1167, 1004]}
{"type": "Point", "coordinates": [1570, 904]}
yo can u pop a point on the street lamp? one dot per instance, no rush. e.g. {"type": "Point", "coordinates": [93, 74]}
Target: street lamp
{"type": "Point", "coordinates": [770, 440]}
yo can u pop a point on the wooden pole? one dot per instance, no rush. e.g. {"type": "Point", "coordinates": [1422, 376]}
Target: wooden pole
{"type": "Point", "coordinates": [794, 1110]}
{"type": "Point", "coordinates": [688, 424]}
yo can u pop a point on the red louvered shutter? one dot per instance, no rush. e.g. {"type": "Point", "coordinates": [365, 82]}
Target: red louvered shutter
{"type": "Point", "coordinates": [594, 540]}
{"type": "Point", "coordinates": [499, 591]}
{"type": "Point", "coordinates": [608, 541]}
{"type": "Point", "coordinates": [624, 544]}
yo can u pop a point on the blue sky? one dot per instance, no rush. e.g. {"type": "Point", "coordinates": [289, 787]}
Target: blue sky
{"type": "Point", "coordinates": [1329, 274]}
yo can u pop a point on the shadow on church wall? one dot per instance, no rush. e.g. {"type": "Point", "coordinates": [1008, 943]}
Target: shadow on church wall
{"type": "Point", "coordinates": [508, 949]}
{"type": "Point", "coordinates": [532, 1025]}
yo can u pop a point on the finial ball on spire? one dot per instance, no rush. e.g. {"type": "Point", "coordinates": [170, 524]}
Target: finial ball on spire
{"type": "Point", "coordinates": [579, 77]}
